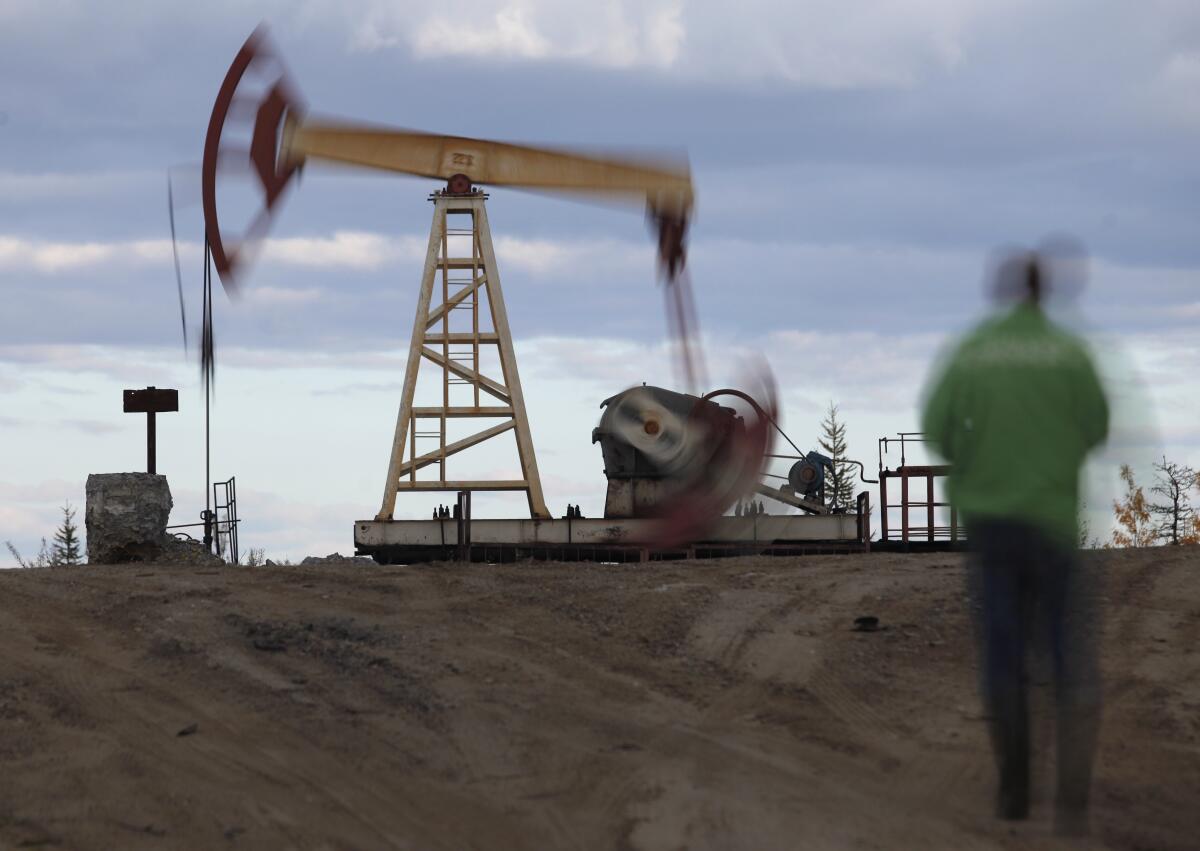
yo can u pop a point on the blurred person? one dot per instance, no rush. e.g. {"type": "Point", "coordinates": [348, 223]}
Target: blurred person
{"type": "Point", "coordinates": [1015, 410]}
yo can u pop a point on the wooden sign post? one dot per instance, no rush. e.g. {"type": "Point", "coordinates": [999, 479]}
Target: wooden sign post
{"type": "Point", "coordinates": [151, 401]}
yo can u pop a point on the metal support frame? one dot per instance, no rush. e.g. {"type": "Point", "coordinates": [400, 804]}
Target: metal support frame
{"type": "Point", "coordinates": [456, 535]}
{"type": "Point", "coordinates": [456, 353]}
{"type": "Point", "coordinates": [930, 532]}
{"type": "Point", "coordinates": [463, 515]}
{"type": "Point", "coordinates": [225, 519]}
{"type": "Point", "coordinates": [862, 510]}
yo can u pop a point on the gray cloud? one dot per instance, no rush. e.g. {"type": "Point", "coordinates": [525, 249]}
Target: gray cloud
{"type": "Point", "coordinates": [867, 199]}
{"type": "Point", "coordinates": [344, 295]}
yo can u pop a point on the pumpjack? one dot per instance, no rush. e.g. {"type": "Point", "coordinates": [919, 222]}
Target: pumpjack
{"type": "Point", "coordinates": [676, 462]}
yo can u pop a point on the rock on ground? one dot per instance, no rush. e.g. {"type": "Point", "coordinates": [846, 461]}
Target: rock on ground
{"type": "Point", "coordinates": [338, 558]}
{"type": "Point", "coordinates": [126, 516]}
{"type": "Point", "coordinates": [178, 551]}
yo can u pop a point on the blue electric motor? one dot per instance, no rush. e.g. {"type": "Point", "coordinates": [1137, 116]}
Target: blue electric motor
{"type": "Point", "coordinates": [807, 476]}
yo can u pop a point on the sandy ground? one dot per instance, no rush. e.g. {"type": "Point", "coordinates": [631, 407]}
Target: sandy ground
{"type": "Point", "coordinates": [705, 705]}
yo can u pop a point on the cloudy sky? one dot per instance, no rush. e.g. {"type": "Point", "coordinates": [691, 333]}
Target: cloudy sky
{"type": "Point", "coordinates": [855, 164]}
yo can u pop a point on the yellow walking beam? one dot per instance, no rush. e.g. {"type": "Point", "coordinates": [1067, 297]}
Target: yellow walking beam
{"type": "Point", "coordinates": [667, 187]}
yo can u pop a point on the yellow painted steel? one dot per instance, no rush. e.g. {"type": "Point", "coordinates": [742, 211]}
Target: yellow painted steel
{"type": "Point", "coordinates": [665, 185]}
{"type": "Point", "coordinates": [484, 280]}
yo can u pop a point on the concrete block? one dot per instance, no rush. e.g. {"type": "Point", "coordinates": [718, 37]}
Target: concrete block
{"type": "Point", "coordinates": [126, 517]}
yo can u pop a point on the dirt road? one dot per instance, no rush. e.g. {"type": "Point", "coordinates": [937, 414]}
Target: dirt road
{"type": "Point", "coordinates": [703, 705]}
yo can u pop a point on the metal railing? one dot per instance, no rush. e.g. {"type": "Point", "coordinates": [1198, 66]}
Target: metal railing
{"type": "Point", "coordinates": [225, 519]}
{"type": "Point", "coordinates": [220, 526]}
{"type": "Point", "coordinates": [925, 529]}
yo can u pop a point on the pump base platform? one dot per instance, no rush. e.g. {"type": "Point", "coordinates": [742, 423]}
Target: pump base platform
{"type": "Point", "coordinates": [599, 539]}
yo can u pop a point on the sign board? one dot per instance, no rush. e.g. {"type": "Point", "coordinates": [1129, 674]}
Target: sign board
{"type": "Point", "coordinates": [151, 400]}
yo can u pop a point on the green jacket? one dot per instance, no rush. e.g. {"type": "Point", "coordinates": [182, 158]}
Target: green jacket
{"type": "Point", "coordinates": [1015, 410]}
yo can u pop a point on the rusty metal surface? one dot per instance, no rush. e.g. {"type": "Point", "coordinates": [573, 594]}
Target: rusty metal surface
{"type": "Point", "coordinates": [606, 554]}
{"type": "Point", "coordinates": [930, 532]}
{"type": "Point", "coordinates": [274, 174]}
{"type": "Point", "coordinates": [680, 459]}
{"type": "Point", "coordinates": [760, 529]}
{"type": "Point", "coordinates": [458, 184]}
{"type": "Point", "coordinates": [918, 470]}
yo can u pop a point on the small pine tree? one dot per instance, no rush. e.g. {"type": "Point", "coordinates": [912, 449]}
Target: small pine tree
{"type": "Point", "coordinates": [66, 541]}
{"type": "Point", "coordinates": [839, 489]}
{"type": "Point", "coordinates": [1174, 484]}
{"type": "Point", "coordinates": [1132, 515]}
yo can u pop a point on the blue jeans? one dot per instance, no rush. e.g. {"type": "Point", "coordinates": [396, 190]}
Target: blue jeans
{"type": "Point", "coordinates": [1028, 596]}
